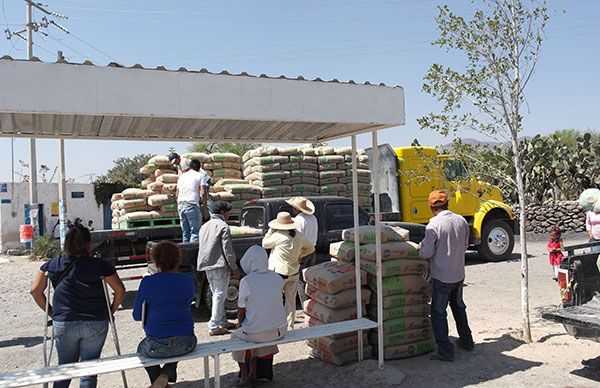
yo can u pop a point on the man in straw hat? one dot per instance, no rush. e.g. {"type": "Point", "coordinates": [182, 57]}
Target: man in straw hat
{"type": "Point", "coordinates": [445, 243]}
{"type": "Point", "coordinates": [304, 211]}
{"type": "Point", "coordinates": [288, 247]}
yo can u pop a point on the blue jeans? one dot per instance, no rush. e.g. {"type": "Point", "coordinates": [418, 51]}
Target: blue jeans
{"type": "Point", "coordinates": [79, 341]}
{"type": "Point", "coordinates": [191, 221]}
{"type": "Point", "coordinates": [218, 281]}
{"type": "Point", "coordinates": [442, 295]}
{"type": "Point", "coordinates": [165, 348]}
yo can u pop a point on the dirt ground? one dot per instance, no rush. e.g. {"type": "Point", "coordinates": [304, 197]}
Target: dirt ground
{"type": "Point", "coordinates": [492, 295]}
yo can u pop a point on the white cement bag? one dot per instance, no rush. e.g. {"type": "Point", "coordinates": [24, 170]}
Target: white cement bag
{"type": "Point", "coordinates": [333, 276]}
{"type": "Point", "coordinates": [367, 234]}
{"type": "Point", "coordinates": [199, 156]}
{"type": "Point", "coordinates": [329, 315]}
{"type": "Point", "coordinates": [133, 193]}
{"type": "Point", "coordinates": [168, 178]}
{"type": "Point", "coordinates": [160, 199]}
{"type": "Point", "coordinates": [160, 160]}
{"type": "Point", "coordinates": [342, 299]}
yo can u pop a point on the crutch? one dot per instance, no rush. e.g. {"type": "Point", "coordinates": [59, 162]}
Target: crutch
{"type": "Point", "coordinates": [113, 328]}
{"type": "Point", "coordinates": [47, 355]}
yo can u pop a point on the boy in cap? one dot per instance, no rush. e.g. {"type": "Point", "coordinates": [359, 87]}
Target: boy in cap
{"type": "Point", "coordinates": [445, 243]}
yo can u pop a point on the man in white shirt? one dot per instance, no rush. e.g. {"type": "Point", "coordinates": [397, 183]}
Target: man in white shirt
{"type": "Point", "coordinates": [191, 194]}
{"type": "Point", "coordinates": [445, 243]}
{"type": "Point", "coordinates": [307, 225]}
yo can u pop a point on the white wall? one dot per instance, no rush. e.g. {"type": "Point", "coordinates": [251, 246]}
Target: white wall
{"type": "Point", "coordinates": [13, 214]}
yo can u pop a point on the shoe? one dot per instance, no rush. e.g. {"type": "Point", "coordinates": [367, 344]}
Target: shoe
{"type": "Point", "coordinates": [437, 357]}
{"type": "Point", "coordinates": [229, 326]}
{"type": "Point", "coordinates": [219, 331]}
{"type": "Point", "coordinates": [462, 345]}
{"type": "Point", "coordinates": [555, 279]}
{"type": "Point", "coordinates": [161, 381]}
{"type": "Point", "coordinates": [244, 383]}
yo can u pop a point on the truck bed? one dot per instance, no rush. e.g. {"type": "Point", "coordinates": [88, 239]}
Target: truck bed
{"type": "Point", "coordinates": [579, 321]}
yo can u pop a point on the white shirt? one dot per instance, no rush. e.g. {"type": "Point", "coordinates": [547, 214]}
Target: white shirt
{"type": "Point", "coordinates": [260, 295]}
{"type": "Point", "coordinates": [189, 184]}
{"type": "Point", "coordinates": [308, 226]}
{"type": "Point", "coordinates": [446, 241]}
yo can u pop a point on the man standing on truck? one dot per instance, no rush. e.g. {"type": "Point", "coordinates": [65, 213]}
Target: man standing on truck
{"type": "Point", "coordinates": [191, 194]}
{"type": "Point", "coordinates": [216, 257]}
{"type": "Point", "coordinates": [445, 243]}
{"type": "Point", "coordinates": [307, 225]}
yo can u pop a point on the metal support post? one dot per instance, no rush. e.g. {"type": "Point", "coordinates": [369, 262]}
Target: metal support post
{"type": "Point", "coordinates": [62, 193]}
{"type": "Point", "coordinates": [375, 164]}
{"type": "Point", "coordinates": [217, 383]}
{"type": "Point", "coordinates": [33, 197]}
{"type": "Point", "coordinates": [356, 244]}
{"type": "Point", "coordinates": [206, 373]}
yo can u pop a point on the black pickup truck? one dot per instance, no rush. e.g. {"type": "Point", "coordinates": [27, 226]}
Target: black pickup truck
{"type": "Point", "coordinates": [334, 214]}
{"type": "Point", "coordinates": [579, 280]}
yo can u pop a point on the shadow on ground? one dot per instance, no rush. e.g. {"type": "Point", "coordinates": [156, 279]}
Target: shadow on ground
{"type": "Point", "coordinates": [590, 370]}
{"type": "Point", "coordinates": [27, 342]}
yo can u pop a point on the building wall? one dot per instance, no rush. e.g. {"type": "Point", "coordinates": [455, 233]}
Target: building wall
{"type": "Point", "coordinates": [12, 214]}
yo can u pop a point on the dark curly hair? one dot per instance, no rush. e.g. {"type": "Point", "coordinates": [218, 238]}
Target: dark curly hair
{"type": "Point", "coordinates": [77, 242]}
{"type": "Point", "coordinates": [167, 256]}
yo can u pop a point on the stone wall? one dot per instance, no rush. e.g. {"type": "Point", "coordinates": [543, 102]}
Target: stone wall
{"type": "Point", "coordinates": [567, 215]}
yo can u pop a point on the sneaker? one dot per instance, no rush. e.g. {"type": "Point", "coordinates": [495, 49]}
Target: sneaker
{"type": "Point", "coordinates": [229, 326]}
{"type": "Point", "coordinates": [219, 331]}
{"type": "Point", "coordinates": [437, 357]}
{"type": "Point", "coordinates": [462, 345]}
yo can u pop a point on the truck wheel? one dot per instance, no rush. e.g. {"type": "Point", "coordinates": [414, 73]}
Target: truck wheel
{"type": "Point", "coordinates": [497, 241]}
{"type": "Point", "coordinates": [231, 299]}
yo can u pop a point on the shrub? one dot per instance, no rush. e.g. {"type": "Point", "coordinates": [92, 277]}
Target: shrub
{"type": "Point", "coordinates": [44, 248]}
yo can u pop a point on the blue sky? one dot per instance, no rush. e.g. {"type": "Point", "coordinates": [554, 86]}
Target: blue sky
{"type": "Point", "coordinates": [375, 40]}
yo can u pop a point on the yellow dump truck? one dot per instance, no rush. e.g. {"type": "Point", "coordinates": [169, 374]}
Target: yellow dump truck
{"type": "Point", "coordinates": [407, 176]}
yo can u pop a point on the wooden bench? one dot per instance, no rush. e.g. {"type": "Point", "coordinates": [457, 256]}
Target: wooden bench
{"type": "Point", "coordinates": [204, 350]}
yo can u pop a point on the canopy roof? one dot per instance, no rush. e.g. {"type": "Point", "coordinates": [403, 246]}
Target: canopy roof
{"type": "Point", "coordinates": [84, 101]}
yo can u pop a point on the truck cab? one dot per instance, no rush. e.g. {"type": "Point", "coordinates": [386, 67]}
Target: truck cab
{"type": "Point", "coordinates": [411, 173]}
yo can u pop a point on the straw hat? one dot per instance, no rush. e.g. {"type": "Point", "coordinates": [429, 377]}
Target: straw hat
{"type": "Point", "coordinates": [283, 222]}
{"type": "Point", "coordinates": [302, 204]}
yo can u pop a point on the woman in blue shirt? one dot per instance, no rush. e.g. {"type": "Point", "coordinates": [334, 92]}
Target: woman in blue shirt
{"type": "Point", "coordinates": [78, 310]}
{"type": "Point", "coordinates": [167, 296]}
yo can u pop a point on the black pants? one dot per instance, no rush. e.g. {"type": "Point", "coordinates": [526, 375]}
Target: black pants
{"type": "Point", "coordinates": [307, 261]}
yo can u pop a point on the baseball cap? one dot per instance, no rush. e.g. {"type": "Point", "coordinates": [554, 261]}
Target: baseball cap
{"type": "Point", "coordinates": [173, 156]}
{"type": "Point", "coordinates": [219, 207]}
{"type": "Point", "coordinates": [437, 198]}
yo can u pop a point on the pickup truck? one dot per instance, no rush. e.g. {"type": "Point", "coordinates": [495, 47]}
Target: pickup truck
{"type": "Point", "coordinates": [333, 213]}
{"type": "Point", "coordinates": [579, 280]}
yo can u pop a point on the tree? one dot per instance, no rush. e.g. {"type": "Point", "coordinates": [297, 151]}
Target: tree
{"type": "Point", "coordinates": [501, 45]}
{"type": "Point", "coordinates": [236, 148]}
{"type": "Point", "coordinates": [126, 171]}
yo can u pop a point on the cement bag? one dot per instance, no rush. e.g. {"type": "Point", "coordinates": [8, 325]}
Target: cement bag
{"type": "Point", "coordinates": [401, 337]}
{"type": "Point", "coordinates": [268, 175]}
{"type": "Point", "coordinates": [291, 181]}
{"type": "Point", "coordinates": [225, 157]}
{"type": "Point", "coordinates": [343, 299]}
{"type": "Point", "coordinates": [328, 181]}
{"type": "Point", "coordinates": [409, 350]}
{"type": "Point", "coordinates": [359, 165]}
{"type": "Point", "coordinates": [360, 157]}
{"type": "Point", "coordinates": [249, 196]}
{"type": "Point", "coordinates": [168, 207]}
{"type": "Point", "coordinates": [364, 174]}
{"type": "Point", "coordinates": [148, 169]}
{"type": "Point", "coordinates": [116, 197]}
{"type": "Point", "coordinates": [244, 231]}
{"type": "Point", "coordinates": [199, 156]}
{"type": "Point", "coordinates": [333, 188]}
{"type": "Point", "coordinates": [242, 188]}
{"type": "Point", "coordinates": [304, 173]}
{"type": "Point", "coordinates": [409, 310]}
{"type": "Point", "coordinates": [156, 186]}
{"type": "Point", "coordinates": [266, 160]}
{"type": "Point", "coordinates": [147, 181]}
{"type": "Point", "coordinates": [344, 250]}
{"type": "Point", "coordinates": [310, 181]}
{"type": "Point", "coordinates": [324, 150]}
{"type": "Point", "coordinates": [170, 214]}
{"type": "Point", "coordinates": [259, 151]}
{"type": "Point", "coordinates": [589, 200]}
{"type": "Point", "coordinates": [343, 150]}
{"type": "Point", "coordinates": [397, 300]}
{"type": "Point", "coordinates": [118, 204]}
{"type": "Point", "coordinates": [170, 187]}
{"type": "Point", "coordinates": [306, 188]}
{"type": "Point", "coordinates": [327, 166]}
{"type": "Point", "coordinates": [262, 168]}
{"type": "Point", "coordinates": [168, 178]}
{"type": "Point", "coordinates": [160, 199]}
{"type": "Point", "coordinates": [333, 276]}
{"type": "Point", "coordinates": [401, 284]}
{"type": "Point", "coordinates": [362, 187]}
{"type": "Point", "coordinates": [160, 160]}
{"type": "Point", "coordinates": [308, 151]}
{"type": "Point", "coordinates": [217, 165]}
{"type": "Point", "coordinates": [223, 196]}
{"type": "Point", "coordinates": [340, 358]}
{"type": "Point", "coordinates": [332, 174]}
{"type": "Point", "coordinates": [134, 193]}
{"type": "Point", "coordinates": [137, 216]}
{"type": "Point", "coordinates": [339, 345]}
{"type": "Point", "coordinates": [162, 171]}
{"type": "Point", "coordinates": [397, 267]}
{"type": "Point", "coordinates": [229, 181]}
{"type": "Point", "coordinates": [290, 166]}
{"type": "Point", "coordinates": [116, 213]}
{"type": "Point", "coordinates": [309, 166]}
{"type": "Point", "coordinates": [289, 151]}
{"type": "Point", "coordinates": [331, 159]}
{"type": "Point", "coordinates": [367, 234]}
{"type": "Point", "coordinates": [407, 323]}
{"type": "Point", "coordinates": [303, 159]}
{"type": "Point", "coordinates": [267, 182]}
{"type": "Point", "coordinates": [329, 315]}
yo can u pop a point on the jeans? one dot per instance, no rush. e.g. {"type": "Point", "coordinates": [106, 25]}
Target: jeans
{"type": "Point", "coordinates": [307, 262]}
{"type": "Point", "coordinates": [165, 348]}
{"type": "Point", "coordinates": [191, 221]}
{"type": "Point", "coordinates": [218, 281]}
{"type": "Point", "coordinates": [79, 341]}
{"type": "Point", "coordinates": [452, 293]}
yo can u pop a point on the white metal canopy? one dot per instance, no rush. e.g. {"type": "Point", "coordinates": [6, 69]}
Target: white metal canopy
{"type": "Point", "coordinates": [83, 101]}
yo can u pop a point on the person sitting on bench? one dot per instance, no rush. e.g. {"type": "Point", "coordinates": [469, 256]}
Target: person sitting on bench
{"type": "Point", "coordinates": [166, 316]}
{"type": "Point", "coordinates": [261, 315]}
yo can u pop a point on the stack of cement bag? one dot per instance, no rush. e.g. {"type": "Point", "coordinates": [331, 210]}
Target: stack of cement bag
{"type": "Point", "coordinates": [263, 168]}
{"type": "Point", "coordinates": [405, 293]}
{"type": "Point", "coordinates": [363, 176]}
{"type": "Point", "coordinates": [162, 176]}
{"type": "Point", "coordinates": [218, 165]}
{"type": "Point", "coordinates": [236, 191]}
{"type": "Point", "coordinates": [331, 287]}
{"type": "Point", "coordinates": [332, 172]}
{"type": "Point", "coordinates": [139, 204]}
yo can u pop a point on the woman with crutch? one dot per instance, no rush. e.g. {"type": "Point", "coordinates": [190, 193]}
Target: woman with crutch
{"type": "Point", "coordinates": [78, 310]}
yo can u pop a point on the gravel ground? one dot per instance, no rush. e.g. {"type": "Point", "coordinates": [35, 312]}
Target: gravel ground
{"type": "Point", "coordinates": [492, 293]}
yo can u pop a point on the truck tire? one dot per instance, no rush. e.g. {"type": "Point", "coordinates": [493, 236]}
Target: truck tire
{"type": "Point", "coordinates": [497, 241]}
{"type": "Point", "coordinates": [231, 299]}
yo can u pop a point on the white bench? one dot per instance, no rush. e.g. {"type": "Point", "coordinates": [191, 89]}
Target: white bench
{"type": "Point", "coordinates": [204, 350]}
